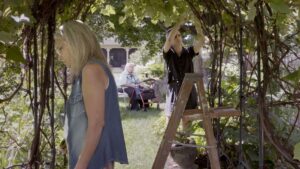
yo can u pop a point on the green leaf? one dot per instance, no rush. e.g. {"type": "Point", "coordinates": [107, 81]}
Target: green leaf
{"type": "Point", "coordinates": [149, 11]}
{"type": "Point", "coordinates": [93, 9]}
{"type": "Point", "coordinates": [294, 77]}
{"type": "Point", "coordinates": [7, 12]}
{"type": "Point", "coordinates": [108, 10]}
{"type": "Point", "coordinates": [252, 10]}
{"type": "Point", "coordinates": [227, 19]}
{"type": "Point", "coordinates": [13, 53]}
{"type": "Point", "coordinates": [297, 151]}
{"type": "Point", "coordinates": [279, 6]}
{"type": "Point", "coordinates": [111, 24]}
{"type": "Point", "coordinates": [154, 21]}
{"type": "Point", "coordinates": [6, 37]}
{"type": "Point", "coordinates": [122, 19]}
{"type": "Point", "coordinates": [2, 49]}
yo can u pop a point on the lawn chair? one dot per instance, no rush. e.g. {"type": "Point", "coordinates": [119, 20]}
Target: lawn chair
{"type": "Point", "coordinates": [156, 87]}
{"type": "Point", "coordinates": [146, 94]}
{"type": "Point", "coordinates": [122, 94]}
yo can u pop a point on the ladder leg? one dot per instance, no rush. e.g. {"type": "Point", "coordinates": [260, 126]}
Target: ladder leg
{"type": "Point", "coordinates": [173, 124]}
{"type": "Point", "coordinates": [207, 125]}
{"type": "Point", "coordinates": [211, 142]}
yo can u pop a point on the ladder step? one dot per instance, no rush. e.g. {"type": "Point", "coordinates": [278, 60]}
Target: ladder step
{"type": "Point", "coordinates": [193, 76]}
{"type": "Point", "coordinates": [196, 114]}
{"type": "Point", "coordinates": [191, 145]}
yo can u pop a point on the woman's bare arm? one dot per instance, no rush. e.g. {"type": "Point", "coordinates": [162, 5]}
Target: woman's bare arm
{"type": "Point", "coordinates": [94, 83]}
{"type": "Point", "coordinates": [171, 37]}
{"type": "Point", "coordinates": [199, 40]}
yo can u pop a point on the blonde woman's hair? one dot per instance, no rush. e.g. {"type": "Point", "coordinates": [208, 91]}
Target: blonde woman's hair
{"type": "Point", "coordinates": [83, 44]}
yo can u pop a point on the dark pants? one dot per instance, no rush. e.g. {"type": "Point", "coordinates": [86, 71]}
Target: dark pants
{"type": "Point", "coordinates": [135, 95]}
{"type": "Point", "coordinates": [174, 91]}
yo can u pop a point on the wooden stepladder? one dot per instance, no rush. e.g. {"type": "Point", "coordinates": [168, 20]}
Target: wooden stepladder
{"type": "Point", "coordinates": [205, 113]}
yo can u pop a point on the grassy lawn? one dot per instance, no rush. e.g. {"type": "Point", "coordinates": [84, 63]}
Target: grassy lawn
{"type": "Point", "coordinates": [141, 141]}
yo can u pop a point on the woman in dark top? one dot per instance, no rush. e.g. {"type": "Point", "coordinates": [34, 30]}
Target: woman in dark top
{"type": "Point", "coordinates": [179, 60]}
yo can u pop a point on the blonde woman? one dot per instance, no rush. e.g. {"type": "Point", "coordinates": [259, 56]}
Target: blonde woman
{"type": "Point", "coordinates": [93, 127]}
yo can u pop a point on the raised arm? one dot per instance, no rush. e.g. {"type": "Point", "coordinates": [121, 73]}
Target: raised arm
{"type": "Point", "coordinates": [199, 40]}
{"type": "Point", "coordinates": [170, 38]}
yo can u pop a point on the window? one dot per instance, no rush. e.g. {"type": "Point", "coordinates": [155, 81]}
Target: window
{"type": "Point", "coordinates": [117, 57]}
{"type": "Point", "coordinates": [131, 51]}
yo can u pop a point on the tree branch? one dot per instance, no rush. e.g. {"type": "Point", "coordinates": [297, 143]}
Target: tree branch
{"type": "Point", "coordinates": [15, 92]}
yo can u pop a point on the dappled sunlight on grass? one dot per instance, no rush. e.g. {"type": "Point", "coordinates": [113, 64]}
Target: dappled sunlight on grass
{"type": "Point", "coordinates": [150, 113]}
{"type": "Point", "coordinates": [141, 140]}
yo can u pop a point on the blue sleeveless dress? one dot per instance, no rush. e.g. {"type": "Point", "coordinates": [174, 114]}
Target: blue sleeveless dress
{"type": "Point", "coordinates": [111, 146]}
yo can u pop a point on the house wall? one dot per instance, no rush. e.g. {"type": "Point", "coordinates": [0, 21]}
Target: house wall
{"type": "Point", "coordinates": [117, 55]}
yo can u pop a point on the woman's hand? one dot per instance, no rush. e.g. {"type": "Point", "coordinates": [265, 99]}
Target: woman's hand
{"type": "Point", "coordinates": [171, 37]}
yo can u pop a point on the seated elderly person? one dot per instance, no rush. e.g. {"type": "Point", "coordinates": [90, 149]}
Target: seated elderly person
{"type": "Point", "coordinates": [132, 86]}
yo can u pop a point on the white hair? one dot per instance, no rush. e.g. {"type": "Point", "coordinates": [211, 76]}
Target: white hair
{"type": "Point", "coordinates": [83, 44]}
{"type": "Point", "coordinates": [129, 65]}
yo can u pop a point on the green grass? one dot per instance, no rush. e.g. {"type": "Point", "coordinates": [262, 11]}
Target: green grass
{"type": "Point", "coordinates": [141, 141]}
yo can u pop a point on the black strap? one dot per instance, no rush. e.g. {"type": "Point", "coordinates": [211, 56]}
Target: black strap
{"type": "Point", "coordinates": [173, 69]}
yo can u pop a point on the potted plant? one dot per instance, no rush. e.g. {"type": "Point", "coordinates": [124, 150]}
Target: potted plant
{"type": "Point", "coordinates": [184, 152]}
